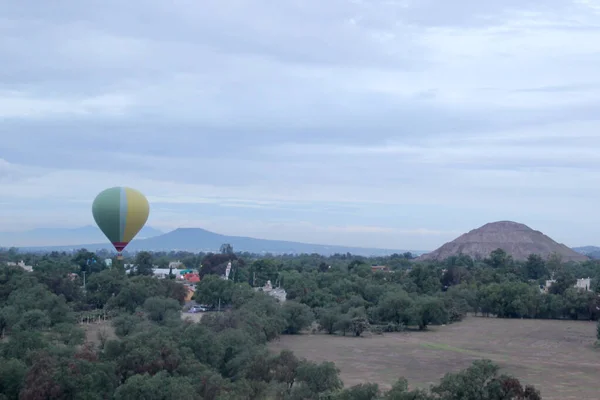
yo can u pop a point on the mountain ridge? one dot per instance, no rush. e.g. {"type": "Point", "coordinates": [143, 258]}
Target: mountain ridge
{"type": "Point", "coordinates": [591, 251]}
{"type": "Point", "coordinates": [199, 239]}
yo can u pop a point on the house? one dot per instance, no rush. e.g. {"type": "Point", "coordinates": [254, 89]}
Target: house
{"type": "Point", "coordinates": [163, 273]}
{"type": "Point", "coordinates": [584, 284]}
{"type": "Point", "coordinates": [21, 264]}
{"type": "Point", "coordinates": [544, 288]}
{"type": "Point", "coordinates": [381, 268]}
{"type": "Point", "coordinates": [191, 277]}
{"type": "Point", "coordinates": [581, 284]}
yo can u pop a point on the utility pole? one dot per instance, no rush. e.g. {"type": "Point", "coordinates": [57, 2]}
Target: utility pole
{"type": "Point", "coordinates": [84, 281]}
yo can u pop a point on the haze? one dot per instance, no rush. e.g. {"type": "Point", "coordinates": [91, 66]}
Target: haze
{"type": "Point", "coordinates": [396, 124]}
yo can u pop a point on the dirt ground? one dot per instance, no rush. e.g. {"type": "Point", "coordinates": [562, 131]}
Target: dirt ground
{"type": "Point", "coordinates": [94, 331]}
{"type": "Point", "coordinates": [556, 356]}
{"type": "Point", "coordinates": [195, 317]}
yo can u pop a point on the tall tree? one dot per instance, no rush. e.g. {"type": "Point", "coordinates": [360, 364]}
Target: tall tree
{"type": "Point", "coordinates": [144, 263]}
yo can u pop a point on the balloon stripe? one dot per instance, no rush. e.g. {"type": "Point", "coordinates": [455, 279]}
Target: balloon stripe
{"type": "Point", "coordinates": [122, 213]}
{"type": "Point", "coordinates": [106, 214]}
{"type": "Point", "coordinates": [137, 213]}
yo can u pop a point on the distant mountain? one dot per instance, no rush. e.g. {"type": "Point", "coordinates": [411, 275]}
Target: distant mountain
{"type": "Point", "coordinates": [590, 251]}
{"type": "Point", "coordinates": [63, 236]}
{"type": "Point", "coordinates": [516, 239]}
{"type": "Point", "coordinates": [196, 240]}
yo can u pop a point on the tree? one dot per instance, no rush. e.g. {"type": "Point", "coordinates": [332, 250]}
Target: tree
{"type": "Point", "coordinates": [262, 271]}
{"type": "Point", "coordinates": [297, 316]}
{"type": "Point", "coordinates": [564, 280]}
{"type": "Point", "coordinates": [498, 259]}
{"type": "Point", "coordinates": [395, 307]}
{"type": "Point", "coordinates": [159, 309]}
{"type": "Point", "coordinates": [359, 325]}
{"type": "Point", "coordinates": [285, 368]}
{"type": "Point", "coordinates": [399, 391]}
{"type": "Point", "coordinates": [319, 379]}
{"type": "Point", "coordinates": [363, 391]}
{"type": "Point", "coordinates": [454, 275]}
{"type": "Point", "coordinates": [12, 374]}
{"type": "Point", "coordinates": [158, 387]}
{"type": "Point", "coordinates": [33, 320]}
{"type": "Point", "coordinates": [328, 319]}
{"type": "Point", "coordinates": [9, 316]}
{"type": "Point", "coordinates": [426, 279]}
{"type": "Point", "coordinates": [554, 264]}
{"type": "Point", "coordinates": [428, 310]}
{"type": "Point", "coordinates": [481, 382]}
{"type": "Point", "coordinates": [213, 290]}
{"type": "Point", "coordinates": [535, 267]}
{"type": "Point", "coordinates": [144, 263]}
{"type": "Point", "coordinates": [215, 264]}
{"type": "Point", "coordinates": [226, 248]}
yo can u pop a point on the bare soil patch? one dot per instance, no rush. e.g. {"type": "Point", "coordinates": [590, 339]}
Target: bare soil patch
{"type": "Point", "coordinates": [557, 357]}
{"type": "Point", "coordinates": [96, 330]}
{"type": "Point", "coordinates": [194, 317]}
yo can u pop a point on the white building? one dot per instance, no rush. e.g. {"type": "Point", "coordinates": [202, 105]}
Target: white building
{"type": "Point", "coordinates": [21, 264]}
{"type": "Point", "coordinates": [164, 272]}
{"type": "Point", "coordinates": [581, 284]}
{"type": "Point", "coordinates": [584, 284]}
{"type": "Point", "coordinates": [176, 264]}
{"type": "Point", "coordinates": [279, 293]}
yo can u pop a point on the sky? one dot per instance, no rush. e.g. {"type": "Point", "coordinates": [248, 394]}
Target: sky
{"type": "Point", "coordinates": [375, 123]}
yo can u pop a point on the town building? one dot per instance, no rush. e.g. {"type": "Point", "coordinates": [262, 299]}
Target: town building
{"type": "Point", "coordinates": [380, 268]}
{"type": "Point", "coordinates": [581, 284]}
{"type": "Point", "coordinates": [279, 293]}
{"type": "Point", "coordinates": [21, 264]}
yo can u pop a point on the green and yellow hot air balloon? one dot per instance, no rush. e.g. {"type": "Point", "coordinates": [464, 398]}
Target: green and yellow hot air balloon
{"type": "Point", "coordinates": [120, 213]}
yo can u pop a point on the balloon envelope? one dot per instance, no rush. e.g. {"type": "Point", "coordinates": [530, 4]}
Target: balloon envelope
{"type": "Point", "coordinates": [120, 213]}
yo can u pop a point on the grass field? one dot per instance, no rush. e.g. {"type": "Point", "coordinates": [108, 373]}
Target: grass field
{"type": "Point", "coordinates": [556, 356]}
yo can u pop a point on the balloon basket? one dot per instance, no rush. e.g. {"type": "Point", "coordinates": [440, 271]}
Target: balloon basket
{"type": "Point", "coordinates": [119, 256]}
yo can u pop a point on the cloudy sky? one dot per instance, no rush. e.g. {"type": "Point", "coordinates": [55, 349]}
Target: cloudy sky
{"type": "Point", "coordinates": [381, 123]}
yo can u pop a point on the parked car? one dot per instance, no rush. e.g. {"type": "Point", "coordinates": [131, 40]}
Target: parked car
{"type": "Point", "coordinates": [196, 309]}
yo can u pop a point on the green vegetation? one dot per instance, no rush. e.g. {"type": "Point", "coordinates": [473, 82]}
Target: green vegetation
{"type": "Point", "coordinates": [157, 355]}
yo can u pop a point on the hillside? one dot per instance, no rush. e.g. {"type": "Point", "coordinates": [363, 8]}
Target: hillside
{"type": "Point", "coordinates": [516, 239]}
{"type": "Point", "coordinates": [590, 251]}
{"type": "Point", "coordinates": [63, 236]}
{"type": "Point", "coordinates": [196, 239]}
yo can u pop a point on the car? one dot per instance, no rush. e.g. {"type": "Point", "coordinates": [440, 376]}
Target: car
{"type": "Point", "coordinates": [195, 309]}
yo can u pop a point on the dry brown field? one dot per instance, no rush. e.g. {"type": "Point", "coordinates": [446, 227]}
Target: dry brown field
{"type": "Point", "coordinates": [557, 357]}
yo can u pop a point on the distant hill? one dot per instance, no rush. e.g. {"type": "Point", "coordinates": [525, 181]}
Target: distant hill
{"type": "Point", "coordinates": [516, 239]}
{"type": "Point", "coordinates": [63, 236]}
{"type": "Point", "coordinates": [196, 240]}
{"type": "Point", "coordinates": [590, 251]}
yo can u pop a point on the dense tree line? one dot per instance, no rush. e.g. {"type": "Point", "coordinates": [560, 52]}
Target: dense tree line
{"type": "Point", "coordinates": [157, 355]}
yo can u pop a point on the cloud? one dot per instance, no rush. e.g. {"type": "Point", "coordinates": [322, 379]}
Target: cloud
{"type": "Point", "coordinates": [396, 124]}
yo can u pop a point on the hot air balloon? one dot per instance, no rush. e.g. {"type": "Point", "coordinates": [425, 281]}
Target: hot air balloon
{"type": "Point", "coordinates": [120, 213]}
